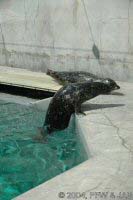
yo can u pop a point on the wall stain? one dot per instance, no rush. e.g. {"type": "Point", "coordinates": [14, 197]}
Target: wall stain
{"type": "Point", "coordinates": [4, 46]}
{"type": "Point", "coordinates": [75, 12]}
{"type": "Point", "coordinates": [44, 55]}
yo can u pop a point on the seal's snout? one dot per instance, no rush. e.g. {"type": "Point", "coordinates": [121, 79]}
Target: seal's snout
{"type": "Point", "coordinates": [117, 87]}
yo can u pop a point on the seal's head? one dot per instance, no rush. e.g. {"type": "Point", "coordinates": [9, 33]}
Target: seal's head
{"type": "Point", "coordinates": [107, 85]}
{"type": "Point", "coordinates": [111, 83]}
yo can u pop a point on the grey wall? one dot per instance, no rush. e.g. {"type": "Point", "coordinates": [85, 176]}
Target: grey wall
{"type": "Point", "coordinates": [59, 34]}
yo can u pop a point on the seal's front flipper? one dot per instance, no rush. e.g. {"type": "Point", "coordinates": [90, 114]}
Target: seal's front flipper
{"type": "Point", "coordinates": [41, 135]}
{"type": "Point", "coordinates": [82, 113]}
{"type": "Point", "coordinates": [78, 110]}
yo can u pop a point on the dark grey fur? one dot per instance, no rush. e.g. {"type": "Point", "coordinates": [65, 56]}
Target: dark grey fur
{"type": "Point", "coordinates": [65, 77]}
{"type": "Point", "coordinates": [68, 100]}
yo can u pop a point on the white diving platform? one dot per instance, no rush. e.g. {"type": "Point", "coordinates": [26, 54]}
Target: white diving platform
{"type": "Point", "coordinates": [27, 79]}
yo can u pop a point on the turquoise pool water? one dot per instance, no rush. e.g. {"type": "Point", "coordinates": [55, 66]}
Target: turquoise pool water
{"type": "Point", "coordinates": [26, 163]}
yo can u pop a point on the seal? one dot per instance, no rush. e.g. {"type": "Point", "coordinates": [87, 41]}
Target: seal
{"type": "Point", "coordinates": [68, 100]}
{"type": "Point", "coordinates": [65, 77]}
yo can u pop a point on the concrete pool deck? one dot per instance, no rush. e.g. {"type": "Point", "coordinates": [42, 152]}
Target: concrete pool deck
{"type": "Point", "coordinates": [107, 132]}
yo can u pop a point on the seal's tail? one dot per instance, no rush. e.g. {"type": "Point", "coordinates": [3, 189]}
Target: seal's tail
{"type": "Point", "coordinates": [49, 72]}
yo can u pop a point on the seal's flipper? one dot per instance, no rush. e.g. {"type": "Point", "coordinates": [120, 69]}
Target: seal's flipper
{"type": "Point", "coordinates": [78, 110]}
{"type": "Point", "coordinates": [41, 131]}
{"type": "Point", "coordinates": [49, 72]}
{"type": "Point", "coordinates": [82, 113]}
{"type": "Point", "coordinates": [41, 135]}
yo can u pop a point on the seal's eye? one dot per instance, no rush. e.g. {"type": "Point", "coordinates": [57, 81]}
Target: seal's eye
{"type": "Point", "coordinates": [107, 81]}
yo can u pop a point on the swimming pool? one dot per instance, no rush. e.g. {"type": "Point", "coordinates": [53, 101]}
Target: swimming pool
{"type": "Point", "coordinates": [26, 163]}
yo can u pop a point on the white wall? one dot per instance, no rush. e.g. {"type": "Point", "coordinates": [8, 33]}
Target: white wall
{"type": "Point", "coordinates": [59, 34]}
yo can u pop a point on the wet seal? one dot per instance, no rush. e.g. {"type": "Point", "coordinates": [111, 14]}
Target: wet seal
{"type": "Point", "coordinates": [68, 100]}
{"type": "Point", "coordinates": [65, 77]}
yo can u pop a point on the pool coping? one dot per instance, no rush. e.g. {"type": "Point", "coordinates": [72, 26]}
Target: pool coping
{"type": "Point", "coordinates": [108, 140]}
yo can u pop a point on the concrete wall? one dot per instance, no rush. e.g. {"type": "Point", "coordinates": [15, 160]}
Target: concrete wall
{"type": "Point", "coordinates": [59, 34]}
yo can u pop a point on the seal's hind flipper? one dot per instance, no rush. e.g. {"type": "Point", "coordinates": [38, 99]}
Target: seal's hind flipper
{"type": "Point", "coordinates": [40, 130]}
{"type": "Point", "coordinates": [49, 71]}
{"type": "Point", "coordinates": [41, 135]}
